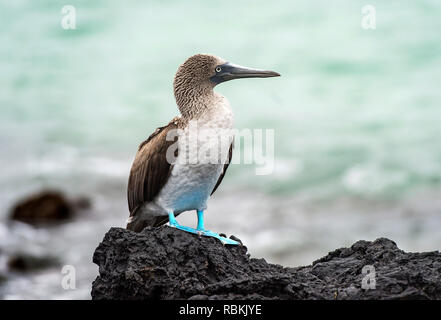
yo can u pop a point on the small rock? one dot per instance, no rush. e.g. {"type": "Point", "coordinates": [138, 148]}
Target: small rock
{"type": "Point", "coordinates": [22, 262]}
{"type": "Point", "coordinates": [46, 207]}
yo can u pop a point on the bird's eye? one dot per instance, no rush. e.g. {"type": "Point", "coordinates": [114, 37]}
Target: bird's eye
{"type": "Point", "coordinates": [218, 69]}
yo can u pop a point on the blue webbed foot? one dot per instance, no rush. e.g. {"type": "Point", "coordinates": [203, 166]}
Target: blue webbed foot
{"type": "Point", "coordinates": [200, 230]}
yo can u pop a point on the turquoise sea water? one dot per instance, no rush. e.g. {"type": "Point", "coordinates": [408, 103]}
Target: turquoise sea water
{"type": "Point", "coordinates": [356, 114]}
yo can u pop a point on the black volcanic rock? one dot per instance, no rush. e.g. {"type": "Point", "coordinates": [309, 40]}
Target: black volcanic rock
{"type": "Point", "coordinates": [166, 263]}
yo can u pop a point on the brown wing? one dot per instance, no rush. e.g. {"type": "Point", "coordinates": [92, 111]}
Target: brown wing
{"type": "Point", "coordinates": [230, 155]}
{"type": "Point", "coordinates": [150, 169]}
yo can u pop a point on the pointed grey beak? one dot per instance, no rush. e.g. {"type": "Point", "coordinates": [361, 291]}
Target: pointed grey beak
{"type": "Point", "coordinates": [229, 71]}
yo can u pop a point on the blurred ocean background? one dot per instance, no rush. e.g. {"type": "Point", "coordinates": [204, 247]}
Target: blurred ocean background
{"type": "Point", "coordinates": [356, 113]}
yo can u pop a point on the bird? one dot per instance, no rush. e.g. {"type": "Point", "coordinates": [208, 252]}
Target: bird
{"type": "Point", "coordinates": [168, 175]}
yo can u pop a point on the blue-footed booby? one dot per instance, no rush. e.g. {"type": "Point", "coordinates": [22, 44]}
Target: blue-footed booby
{"type": "Point", "coordinates": [159, 189]}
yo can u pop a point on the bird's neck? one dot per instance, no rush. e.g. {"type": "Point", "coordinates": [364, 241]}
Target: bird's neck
{"type": "Point", "coordinates": [196, 101]}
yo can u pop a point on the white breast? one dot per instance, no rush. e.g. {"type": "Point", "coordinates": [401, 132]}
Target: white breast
{"type": "Point", "coordinates": [203, 150]}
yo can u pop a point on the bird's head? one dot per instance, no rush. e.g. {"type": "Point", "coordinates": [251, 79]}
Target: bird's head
{"type": "Point", "coordinates": [207, 69]}
{"type": "Point", "coordinates": [202, 72]}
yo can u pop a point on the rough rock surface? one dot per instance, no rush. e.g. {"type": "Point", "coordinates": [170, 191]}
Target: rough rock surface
{"type": "Point", "coordinates": [166, 263]}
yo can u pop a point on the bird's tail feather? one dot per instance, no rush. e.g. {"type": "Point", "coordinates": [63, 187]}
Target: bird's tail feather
{"type": "Point", "coordinates": [137, 224]}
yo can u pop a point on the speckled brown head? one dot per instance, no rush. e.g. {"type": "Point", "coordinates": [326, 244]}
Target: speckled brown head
{"type": "Point", "coordinates": [198, 75]}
